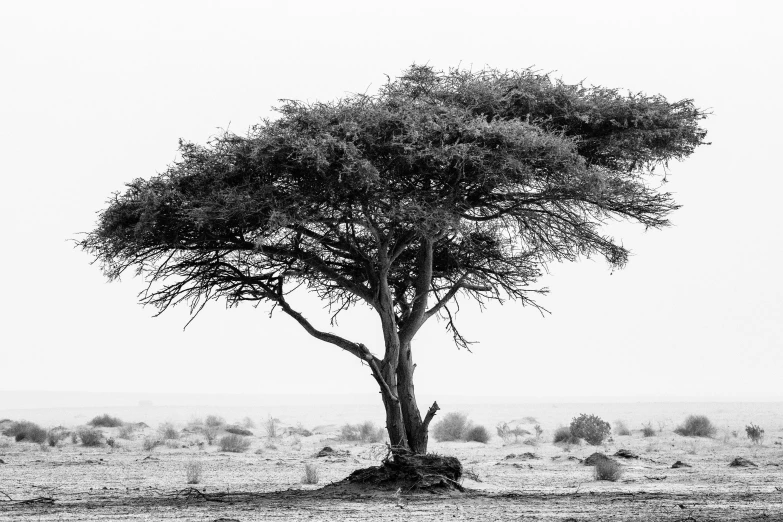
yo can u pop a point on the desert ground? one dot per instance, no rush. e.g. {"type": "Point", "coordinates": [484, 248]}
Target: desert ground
{"type": "Point", "coordinates": [523, 477]}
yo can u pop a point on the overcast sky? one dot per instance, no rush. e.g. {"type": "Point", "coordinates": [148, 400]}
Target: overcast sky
{"type": "Point", "coordinates": [96, 94]}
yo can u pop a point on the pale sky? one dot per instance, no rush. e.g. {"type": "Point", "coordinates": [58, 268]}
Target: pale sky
{"type": "Point", "coordinates": [95, 94]}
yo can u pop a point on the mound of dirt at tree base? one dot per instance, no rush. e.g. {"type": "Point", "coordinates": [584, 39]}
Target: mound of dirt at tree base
{"type": "Point", "coordinates": [410, 472]}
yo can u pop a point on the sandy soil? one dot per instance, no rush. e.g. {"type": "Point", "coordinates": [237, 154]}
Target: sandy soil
{"type": "Point", "coordinates": [541, 481]}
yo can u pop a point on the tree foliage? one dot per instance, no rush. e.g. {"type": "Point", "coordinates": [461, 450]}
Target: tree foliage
{"type": "Point", "coordinates": [443, 185]}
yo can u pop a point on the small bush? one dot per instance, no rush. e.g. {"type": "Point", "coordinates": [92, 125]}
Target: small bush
{"type": "Point", "coordinates": [238, 430]}
{"type": "Point", "coordinates": [91, 437]}
{"type": "Point", "coordinates": [563, 435]}
{"type": "Point", "coordinates": [270, 426]}
{"type": "Point", "coordinates": [477, 434]}
{"type": "Point", "coordinates": [607, 469]}
{"type": "Point", "coordinates": [126, 431]}
{"type": "Point", "coordinates": [621, 429]}
{"type": "Point", "coordinates": [55, 435]}
{"type": "Point", "coordinates": [214, 421]}
{"type": "Point", "coordinates": [365, 432]}
{"type": "Point", "coordinates": [590, 428]}
{"type": "Point", "coordinates": [25, 431]}
{"type": "Point", "coordinates": [648, 430]}
{"type": "Point", "coordinates": [234, 443]}
{"type": "Point", "coordinates": [247, 422]}
{"type": "Point", "coordinates": [193, 471]}
{"type": "Point", "coordinates": [168, 431]}
{"type": "Point", "coordinates": [150, 443]}
{"type": "Point", "coordinates": [310, 475]}
{"type": "Point", "coordinates": [210, 433]}
{"type": "Point", "coordinates": [301, 431]}
{"type": "Point", "coordinates": [696, 426]}
{"type": "Point", "coordinates": [505, 432]}
{"type": "Point", "coordinates": [452, 427]}
{"type": "Point", "coordinates": [539, 430]}
{"type": "Point", "coordinates": [105, 421]}
{"type": "Point", "coordinates": [755, 433]}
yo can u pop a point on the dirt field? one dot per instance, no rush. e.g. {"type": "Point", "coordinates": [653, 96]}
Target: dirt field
{"type": "Point", "coordinates": [541, 481]}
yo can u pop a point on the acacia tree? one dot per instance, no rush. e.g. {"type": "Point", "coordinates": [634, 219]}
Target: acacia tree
{"type": "Point", "coordinates": [443, 185]}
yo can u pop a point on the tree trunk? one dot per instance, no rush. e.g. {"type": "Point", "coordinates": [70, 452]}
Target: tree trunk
{"type": "Point", "coordinates": [414, 429]}
{"type": "Point", "coordinates": [395, 424]}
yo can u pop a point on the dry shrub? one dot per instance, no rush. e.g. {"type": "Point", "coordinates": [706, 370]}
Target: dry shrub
{"type": "Point", "coordinates": [168, 431]}
{"type": "Point", "coordinates": [621, 429]}
{"type": "Point", "coordinates": [105, 421]}
{"type": "Point", "coordinates": [648, 430]}
{"type": "Point", "coordinates": [452, 427]}
{"type": "Point", "coordinates": [238, 430]}
{"type": "Point", "coordinates": [214, 421]}
{"type": "Point", "coordinates": [563, 435]}
{"type": "Point", "coordinates": [505, 432]}
{"type": "Point", "coordinates": [590, 428]}
{"type": "Point", "coordinates": [126, 431]}
{"type": "Point", "coordinates": [26, 431]}
{"type": "Point", "coordinates": [696, 426]}
{"type": "Point", "coordinates": [310, 475]}
{"type": "Point", "coordinates": [193, 471]}
{"type": "Point", "coordinates": [234, 443]}
{"type": "Point", "coordinates": [607, 469]}
{"type": "Point", "coordinates": [247, 422]}
{"type": "Point", "coordinates": [270, 426]}
{"type": "Point", "coordinates": [364, 432]}
{"type": "Point", "coordinates": [55, 435]}
{"type": "Point", "coordinates": [150, 443]}
{"type": "Point", "coordinates": [91, 437]}
{"type": "Point", "coordinates": [210, 433]}
{"type": "Point", "coordinates": [477, 434]}
{"type": "Point", "coordinates": [755, 433]}
{"type": "Point", "coordinates": [300, 431]}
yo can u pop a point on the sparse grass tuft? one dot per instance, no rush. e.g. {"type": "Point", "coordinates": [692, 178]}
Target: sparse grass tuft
{"type": "Point", "coordinates": [452, 427]}
{"type": "Point", "coordinates": [648, 430]}
{"type": "Point", "coordinates": [310, 474]}
{"type": "Point", "coordinates": [607, 469]}
{"type": "Point", "coordinates": [91, 437]}
{"type": "Point", "coordinates": [193, 470]}
{"type": "Point", "coordinates": [126, 431]}
{"type": "Point", "coordinates": [234, 443]}
{"type": "Point", "coordinates": [150, 443]}
{"type": "Point", "coordinates": [105, 421]}
{"type": "Point", "coordinates": [696, 426]}
{"type": "Point", "coordinates": [477, 434]}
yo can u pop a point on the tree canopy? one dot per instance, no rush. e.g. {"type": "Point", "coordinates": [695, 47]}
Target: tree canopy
{"type": "Point", "coordinates": [443, 185]}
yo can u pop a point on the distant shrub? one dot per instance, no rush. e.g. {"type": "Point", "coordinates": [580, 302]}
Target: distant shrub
{"type": "Point", "coordinates": [26, 431]}
{"type": "Point", "coordinates": [234, 443]}
{"type": "Point", "coordinates": [310, 474]}
{"type": "Point", "coordinates": [247, 422]}
{"type": "Point", "coordinates": [621, 429]}
{"type": "Point", "coordinates": [55, 435]}
{"type": "Point", "coordinates": [270, 426]}
{"type": "Point", "coordinates": [648, 430]}
{"type": "Point", "coordinates": [150, 443]}
{"type": "Point", "coordinates": [563, 435]}
{"type": "Point", "coordinates": [539, 430]}
{"type": "Point", "coordinates": [168, 431]}
{"type": "Point", "coordinates": [590, 428]}
{"type": "Point", "coordinates": [477, 434]}
{"type": "Point", "coordinates": [505, 432]}
{"type": "Point", "coordinates": [126, 431]}
{"type": "Point", "coordinates": [210, 433]}
{"type": "Point", "coordinates": [301, 431]}
{"type": "Point", "coordinates": [214, 421]}
{"type": "Point", "coordinates": [452, 427]}
{"type": "Point", "coordinates": [755, 433]}
{"type": "Point", "coordinates": [105, 421]}
{"type": "Point", "coordinates": [238, 430]}
{"type": "Point", "coordinates": [91, 437]}
{"type": "Point", "coordinates": [607, 469]}
{"type": "Point", "coordinates": [364, 432]}
{"type": "Point", "coordinates": [193, 470]}
{"type": "Point", "coordinates": [696, 426]}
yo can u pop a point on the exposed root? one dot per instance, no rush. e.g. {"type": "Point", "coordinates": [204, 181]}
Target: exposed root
{"type": "Point", "coordinates": [410, 472]}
